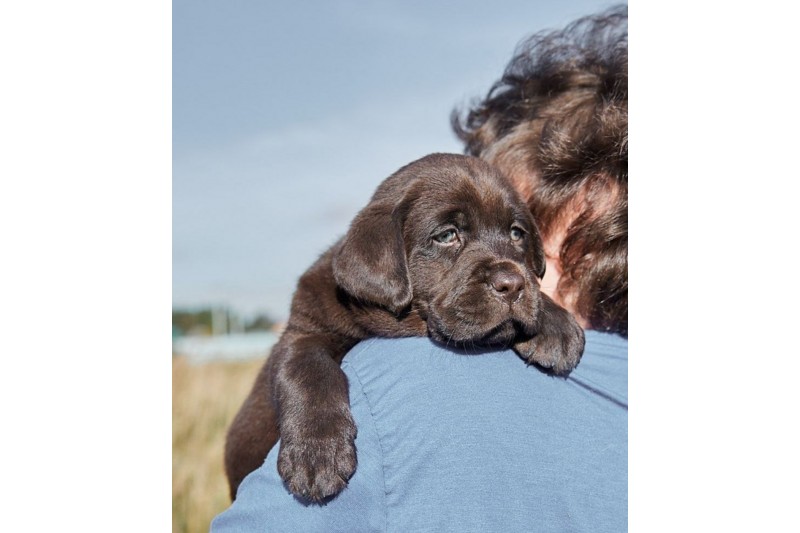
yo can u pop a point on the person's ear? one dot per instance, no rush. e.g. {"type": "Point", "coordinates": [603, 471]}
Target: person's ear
{"type": "Point", "coordinates": [370, 264]}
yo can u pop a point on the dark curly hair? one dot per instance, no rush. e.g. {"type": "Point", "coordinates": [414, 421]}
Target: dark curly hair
{"type": "Point", "coordinates": [557, 124]}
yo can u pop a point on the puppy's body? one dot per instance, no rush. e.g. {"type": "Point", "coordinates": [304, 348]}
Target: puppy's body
{"type": "Point", "coordinates": [445, 248]}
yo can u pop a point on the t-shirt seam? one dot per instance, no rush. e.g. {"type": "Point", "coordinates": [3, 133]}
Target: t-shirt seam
{"type": "Point", "coordinates": [373, 419]}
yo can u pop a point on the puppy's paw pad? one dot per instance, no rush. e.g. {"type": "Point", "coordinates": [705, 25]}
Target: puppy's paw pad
{"type": "Point", "coordinates": [316, 468]}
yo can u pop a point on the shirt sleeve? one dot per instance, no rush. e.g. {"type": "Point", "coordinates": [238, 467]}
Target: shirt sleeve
{"type": "Point", "coordinates": [264, 504]}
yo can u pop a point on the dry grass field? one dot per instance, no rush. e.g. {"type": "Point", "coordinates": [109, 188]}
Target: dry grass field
{"type": "Point", "coordinates": [205, 399]}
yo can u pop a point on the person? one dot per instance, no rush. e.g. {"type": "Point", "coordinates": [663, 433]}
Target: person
{"type": "Point", "coordinates": [477, 441]}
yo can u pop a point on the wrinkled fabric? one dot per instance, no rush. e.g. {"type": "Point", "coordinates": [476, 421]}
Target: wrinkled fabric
{"type": "Point", "coordinates": [457, 441]}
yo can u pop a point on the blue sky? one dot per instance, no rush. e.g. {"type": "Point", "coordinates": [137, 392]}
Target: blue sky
{"type": "Point", "coordinates": [287, 115]}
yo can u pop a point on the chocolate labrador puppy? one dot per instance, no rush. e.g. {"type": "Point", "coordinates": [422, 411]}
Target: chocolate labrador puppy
{"type": "Point", "coordinates": [445, 248]}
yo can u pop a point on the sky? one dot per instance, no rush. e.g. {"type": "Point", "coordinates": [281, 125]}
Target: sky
{"type": "Point", "coordinates": [287, 115]}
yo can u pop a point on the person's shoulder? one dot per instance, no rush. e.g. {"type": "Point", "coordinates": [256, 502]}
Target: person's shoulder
{"type": "Point", "coordinates": [604, 342]}
{"type": "Point", "coordinates": [419, 365]}
{"type": "Point", "coordinates": [390, 352]}
{"type": "Point", "coordinates": [604, 366]}
{"type": "Point", "coordinates": [379, 345]}
{"type": "Point", "coordinates": [419, 355]}
{"type": "Point", "coordinates": [378, 361]}
{"type": "Point", "coordinates": [419, 369]}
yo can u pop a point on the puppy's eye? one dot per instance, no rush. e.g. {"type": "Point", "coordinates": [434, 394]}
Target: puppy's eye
{"type": "Point", "coordinates": [516, 234]}
{"type": "Point", "coordinates": [446, 237]}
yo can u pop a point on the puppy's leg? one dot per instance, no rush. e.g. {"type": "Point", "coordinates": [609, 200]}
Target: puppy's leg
{"type": "Point", "coordinates": [252, 434]}
{"type": "Point", "coordinates": [317, 455]}
{"type": "Point", "coordinates": [558, 342]}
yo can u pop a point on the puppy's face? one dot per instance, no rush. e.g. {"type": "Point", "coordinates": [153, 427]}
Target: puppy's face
{"type": "Point", "coordinates": [449, 234]}
{"type": "Point", "coordinates": [472, 252]}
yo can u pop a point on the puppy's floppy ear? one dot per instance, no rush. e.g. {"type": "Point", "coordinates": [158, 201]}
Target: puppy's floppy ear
{"type": "Point", "coordinates": [370, 264]}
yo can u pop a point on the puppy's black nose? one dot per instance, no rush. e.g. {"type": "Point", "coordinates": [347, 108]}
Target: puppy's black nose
{"type": "Point", "coordinates": [507, 284]}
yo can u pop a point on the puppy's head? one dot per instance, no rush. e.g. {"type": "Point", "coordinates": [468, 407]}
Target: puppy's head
{"type": "Point", "coordinates": [448, 233]}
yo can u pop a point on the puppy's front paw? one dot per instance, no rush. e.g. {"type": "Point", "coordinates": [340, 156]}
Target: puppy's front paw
{"type": "Point", "coordinates": [316, 461]}
{"type": "Point", "coordinates": [558, 343]}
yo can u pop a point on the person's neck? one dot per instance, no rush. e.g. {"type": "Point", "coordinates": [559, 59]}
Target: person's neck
{"type": "Point", "coordinates": [549, 286]}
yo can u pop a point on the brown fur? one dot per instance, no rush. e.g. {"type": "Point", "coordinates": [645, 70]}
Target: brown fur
{"type": "Point", "coordinates": [445, 248]}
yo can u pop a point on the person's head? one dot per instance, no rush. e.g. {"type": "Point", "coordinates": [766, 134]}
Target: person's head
{"type": "Point", "coordinates": [556, 124]}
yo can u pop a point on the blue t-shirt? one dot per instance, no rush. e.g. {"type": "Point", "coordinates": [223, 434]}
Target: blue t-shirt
{"type": "Point", "coordinates": [456, 442]}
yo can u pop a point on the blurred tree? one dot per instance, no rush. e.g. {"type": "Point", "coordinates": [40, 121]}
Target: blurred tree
{"type": "Point", "coordinates": [201, 322]}
{"type": "Point", "coordinates": [260, 323]}
{"type": "Point", "coordinates": [191, 322]}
